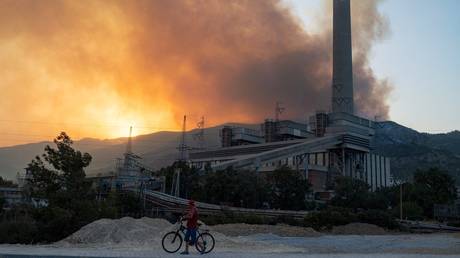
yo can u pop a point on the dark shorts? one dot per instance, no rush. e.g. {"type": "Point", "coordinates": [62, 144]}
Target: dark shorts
{"type": "Point", "coordinates": [190, 235]}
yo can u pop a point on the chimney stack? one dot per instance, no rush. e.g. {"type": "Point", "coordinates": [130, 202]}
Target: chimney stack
{"type": "Point", "coordinates": [342, 78]}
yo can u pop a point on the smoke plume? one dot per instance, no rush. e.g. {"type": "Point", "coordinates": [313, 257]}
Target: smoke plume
{"type": "Point", "coordinates": [150, 61]}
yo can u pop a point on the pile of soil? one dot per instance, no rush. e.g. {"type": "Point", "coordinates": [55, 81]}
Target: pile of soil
{"type": "Point", "coordinates": [358, 229]}
{"type": "Point", "coordinates": [146, 234]}
{"type": "Point", "coordinates": [126, 230]}
{"type": "Point", "coordinates": [241, 229]}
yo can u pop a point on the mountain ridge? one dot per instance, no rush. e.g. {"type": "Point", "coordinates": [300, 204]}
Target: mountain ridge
{"type": "Point", "coordinates": [408, 149]}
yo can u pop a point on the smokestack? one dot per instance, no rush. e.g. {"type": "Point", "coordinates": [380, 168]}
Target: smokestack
{"type": "Point", "coordinates": [342, 77]}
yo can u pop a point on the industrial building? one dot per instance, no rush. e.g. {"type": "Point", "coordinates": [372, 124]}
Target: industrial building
{"type": "Point", "coordinates": [11, 195]}
{"type": "Point", "coordinates": [331, 144]}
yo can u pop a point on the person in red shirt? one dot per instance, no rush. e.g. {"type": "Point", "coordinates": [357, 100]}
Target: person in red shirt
{"type": "Point", "coordinates": [192, 224]}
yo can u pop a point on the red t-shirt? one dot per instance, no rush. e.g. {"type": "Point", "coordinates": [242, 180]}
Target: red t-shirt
{"type": "Point", "coordinates": [192, 218]}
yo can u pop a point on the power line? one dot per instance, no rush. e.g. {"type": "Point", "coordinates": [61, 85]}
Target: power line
{"type": "Point", "coordinates": [88, 124]}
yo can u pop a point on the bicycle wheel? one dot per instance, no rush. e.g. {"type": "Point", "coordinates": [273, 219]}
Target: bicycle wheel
{"type": "Point", "coordinates": [204, 243]}
{"type": "Point", "coordinates": [171, 242]}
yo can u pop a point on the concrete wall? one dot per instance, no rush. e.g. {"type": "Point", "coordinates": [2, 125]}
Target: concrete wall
{"type": "Point", "coordinates": [377, 171]}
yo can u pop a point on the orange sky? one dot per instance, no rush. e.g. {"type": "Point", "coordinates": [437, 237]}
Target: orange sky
{"type": "Point", "coordinates": [94, 68]}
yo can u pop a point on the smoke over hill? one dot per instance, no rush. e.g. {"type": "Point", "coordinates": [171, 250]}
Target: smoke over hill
{"type": "Point", "coordinates": [152, 61]}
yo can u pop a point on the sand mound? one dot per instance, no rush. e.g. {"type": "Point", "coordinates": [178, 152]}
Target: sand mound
{"type": "Point", "coordinates": [146, 233]}
{"type": "Point", "coordinates": [241, 229]}
{"type": "Point", "coordinates": [358, 229]}
{"type": "Point", "coordinates": [120, 231]}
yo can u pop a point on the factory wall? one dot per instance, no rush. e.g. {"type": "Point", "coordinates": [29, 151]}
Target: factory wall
{"type": "Point", "coordinates": [377, 173]}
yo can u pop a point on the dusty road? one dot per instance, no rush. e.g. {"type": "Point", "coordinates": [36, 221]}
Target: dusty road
{"type": "Point", "coordinates": [268, 245]}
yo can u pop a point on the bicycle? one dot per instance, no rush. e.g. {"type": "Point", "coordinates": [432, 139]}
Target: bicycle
{"type": "Point", "coordinates": [172, 241]}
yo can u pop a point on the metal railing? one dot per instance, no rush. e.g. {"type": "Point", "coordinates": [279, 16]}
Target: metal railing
{"type": "Point", "coordinates": [174, 204]}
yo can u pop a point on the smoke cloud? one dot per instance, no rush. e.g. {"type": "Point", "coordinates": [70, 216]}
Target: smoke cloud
{"type": "Point", "coordinates": [82, 65]}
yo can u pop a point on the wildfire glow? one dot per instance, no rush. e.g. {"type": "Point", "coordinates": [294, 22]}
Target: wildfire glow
{"type": "Point", "coordinates": [95, 68]}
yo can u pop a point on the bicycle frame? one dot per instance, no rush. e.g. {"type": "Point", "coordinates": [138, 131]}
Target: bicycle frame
{"type": "Point", "coordinates": [181, 228]}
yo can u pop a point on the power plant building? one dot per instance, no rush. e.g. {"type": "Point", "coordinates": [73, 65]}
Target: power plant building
{"type": "Point", "coordinates": [332, 144]}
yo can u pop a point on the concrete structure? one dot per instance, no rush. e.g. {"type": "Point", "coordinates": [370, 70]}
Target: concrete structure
{"type": "Point", "coordinates": [284, 130]}
{"type": "Point", "coordinates": [342, 77]}
{"type": "Point", "coordinates": [270, 131]}
{"type": "Point", "coordinates": [318, 123]}
{"type": "Point", "coordinates": [320, 159]}
{"type": "Point", "coordinates": [236, 136]}
{"type": "Point", "coordinates": [129, 172]}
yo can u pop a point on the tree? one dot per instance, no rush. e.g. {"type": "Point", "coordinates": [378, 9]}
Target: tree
{"type": "Point", "coordinates": [350, 193]}
{"type": "Point", "coordinates": [433, 186]}
{"type": "Point", "coordinates": [243, 188]}
{"type": "Point", "coordinates": [288, 189]}
{"type": "Point", "coordinates": [411, 211]}
{"type": "Point", "coordinates": [190, 179]}
{"type": "Point", "coordinates": [59, 174]}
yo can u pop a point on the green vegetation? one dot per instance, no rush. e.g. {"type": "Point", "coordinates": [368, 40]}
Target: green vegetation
{"type": "Point", "coordinates": [283, 189]}
{"type": "Point", "coordinates": [354, 202]}
{"type": "Point", "coordinates": [58, 176]}
{"type": "Point", "coordinates": [433, 186]}
{"type": "Point", "coordinates": [335, 216]}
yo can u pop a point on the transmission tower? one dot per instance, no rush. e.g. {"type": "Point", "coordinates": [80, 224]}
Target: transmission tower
{"type": "Point", "coordinates": [183, 145]}
{"type": "Point", "coordinates": [182, 160]}
{"type": "Point", "coordinates": [199, 136]}
{"type": "Point", "coordinates": [278, 111]}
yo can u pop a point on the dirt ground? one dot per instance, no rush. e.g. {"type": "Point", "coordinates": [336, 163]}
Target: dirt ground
{"type": "Point", "coordinates": [242, 229]}
{"type": "Point", "coordinates": [128, 237]}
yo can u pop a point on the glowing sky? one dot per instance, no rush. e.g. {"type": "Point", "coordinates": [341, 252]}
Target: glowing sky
{"type": "Point", "coordinates": [94, 68]}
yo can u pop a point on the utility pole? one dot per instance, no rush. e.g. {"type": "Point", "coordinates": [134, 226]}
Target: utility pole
{"type": "Point", "coordinates": [177, 172]}
{"type": "Point", "coordinates": [400, 201]}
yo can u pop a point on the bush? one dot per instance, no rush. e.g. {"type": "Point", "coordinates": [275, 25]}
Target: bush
{"type": "Point", "coordinates": [230, 219]}
{"type": "Point", "coordinates": [326, 219]}
{"type": "Point", "coordinates": [54, 223]}
{"type": "Point", "coordinates": [2, 203]}
{"type": "Point", "coordinates": [411, 211]}
{"type": "Point", "coordinates": [251, 219]}
{"type": "Point", "coordinates": [455, 223]}
{"type": "Point", "coordinates": [377, 217]}
{"type": "Point", "coordinates": [289, 221]}
{"type": "Point", "coordinates": [18, 232]}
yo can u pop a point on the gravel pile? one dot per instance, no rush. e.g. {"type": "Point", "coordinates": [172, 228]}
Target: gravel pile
{"type": "Point", "coordinates": [241, 229]}
{"type": "Point", "coordinates": [358, 229]}
{"type": "Point", "coordinates": [146, 234]}
{"type": "Point", "coordinates": [124, 231]}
